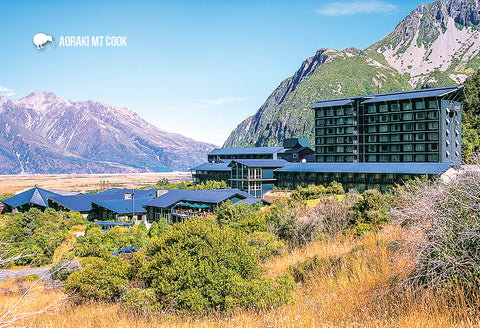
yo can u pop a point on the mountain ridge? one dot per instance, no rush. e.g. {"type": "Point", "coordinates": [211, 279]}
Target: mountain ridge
{"type": "Point", "coordinates": [42, 133]}
{"type": "Point", "coordinates": [429, 46]}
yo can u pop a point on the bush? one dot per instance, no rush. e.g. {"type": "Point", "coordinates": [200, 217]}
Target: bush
{"type": "Point", "coordinates": [199, 266]}
{"type": "Point", "coordinates": [266, 244]}
{"type": "Point", "coordinates": [140, 301]}
{"type": "Point", "coordinates": [62, 270]}
{"type": "Point", "coordinates": [444, 231]}
{"type": "Point", "coordinates": [369, 211]}
{"type": "Point", "coordinates": [315, 192]}
{"type": "Point", "coordinates": [332, 214]}
{"type": "Point", "coordinates": [102, 280]}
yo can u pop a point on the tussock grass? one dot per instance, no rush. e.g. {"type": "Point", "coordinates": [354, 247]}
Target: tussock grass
{"type": "Point", "coordinates": [357, 293]}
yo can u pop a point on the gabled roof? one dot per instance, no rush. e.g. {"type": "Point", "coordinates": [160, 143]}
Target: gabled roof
{"type": "Point", "coordinates": [295, 150]}
{"type": "Point", "coordinates": [200, 196]}
{"type": "Point", "coordinates": [245, 151]}
{"type": "Point", "coordinates": [37, 196]}
{"type": "Point", "coordinates": [333, 102]}
{"type": "Point", "coordinates": [399, 168]}
{"type": "Point", "coordinates": [212, 167]}
{"type": "Point", "coordinates": [123, 206]}
{"type": "Point", "coordinates": [412, 94]}
{"type": "Point", "coordinates": [83, 203]}
{"type": "Point", "coordinates": [260, 162]}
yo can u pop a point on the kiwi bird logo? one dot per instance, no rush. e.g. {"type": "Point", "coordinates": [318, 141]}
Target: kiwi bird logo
{"type": "Point", "coordinates": [40, 39]}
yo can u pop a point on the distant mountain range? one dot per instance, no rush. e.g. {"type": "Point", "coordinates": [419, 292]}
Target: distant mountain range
{"type": "Point", "coordinates": [436, 44]}
{"type": "Point", "coordinates": [42, 133]}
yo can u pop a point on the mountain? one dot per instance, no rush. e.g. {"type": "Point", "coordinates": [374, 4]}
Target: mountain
{"type": "Point", "coordinates": [42, 133]}
{"type": "Point", "coordinates": [436, 44]}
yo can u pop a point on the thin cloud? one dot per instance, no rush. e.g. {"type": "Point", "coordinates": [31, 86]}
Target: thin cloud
{"type": "Point", "coordinates": [7, 92]}
{"type": "Point", "coordinates": [342, 8]}
{"type": "Point", "coordinates": [221, 101]}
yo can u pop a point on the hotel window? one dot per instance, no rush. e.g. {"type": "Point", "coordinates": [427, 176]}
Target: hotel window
{"type": "Point", "coordinates": [340, 130]}
{"type": "Point", "coordinates": [432, 158]}
{"type": "Point", "coordinates": [383, 128]}
{"type": "Point", "coordinates": [384, 158]}
{"type": "Point", "coordinates": [395, 117]}
{"type": "Point", "coordinates": [349, 120]}
{"type": "Point", "coordinates": [383, 138]}
{"type": "Point", "coordinates": [320, 132]}
{"type": "Point", "coordinates": [320, 150]}
{"type": "Point", "coordinates": [320, 113]}
{"type": "Point", "coordinates": [372, 129]}
{"type": "Point", "coordinates": [330, 149]}
{"type": "Point", "coordinates": [350, 129]}
{"type": "Point", "coordinates": [330, 131]}
{"type": "Point", "coordinates": [330, 158]}
{"type": "Point", "coordinates": [395, 158]}
{"type": "Point", "coordinates": [349, 111]}
{"type": "Point", "coordinates": [395, 127]}
{"type": "Point", "coordinates": [420, 147]}
{"type": "Point", "coordinates": [408, 147]}
{"type": "Point", "coordinates": [350, 149]}
{"type": "Point", "coordinates": [433, 147]}
{"type": "Point", "coordinates": [371, 119]}
{"type": "Point", "coordinates": [340, 121]}
{"type": "Point", "coordinates": [394, 107]}
{"type": "Point", "coordinates": [320, 123]}
{"type": "Point", "coordinates": [383, 108]}
{"type": "Point", "coordinates": [372, 149]}
{"type": "Point", "coordinates": [371, 158]}
{"type": "Point", "coordinates": [407, 116]}
{"type": "Point", "coordinates": [419, 158]}
{"type": "Point", "coordinates": [371, 109]}
{"type": "Point", "coordinates": [420, 115]}
{"type": "Point", "coordinates": [420, 105]}
{"type": "Point", "coordinates": [395, 137]}
{"type": "Point", "coordinates": [407, 127]}
{"type": "Point", "coordinates": [432, 136]}
{"type": "Point", "coordinates": [433, 125]}
{"type": "Point", "coordinates": [384, 148]}
{"type": "Point", "coordinates": [395, 148]}
{"type": "Point", "coordinates": [407, 106]}
{"type": "Point", "coordinates": [407, 158]}
{"type": "Point", "coordinates": [383, 118]}
{"type": "Point", "coordinates": [320, 158]}
{"type": "Point", "coordinates": [340, 149]}
{"type": "Point", "coordinates": [432, 104]}
{"type": "Point", "coordinates": [432, 115]}
{"type": "Point", "coordinates": [372, 138]}
{"type": "Point", "coordinates": [340, 111]}
{"type": "Point", "coordinates": [330, 121]}
{"type": "Point", "coordinates": [420, 126]}
{"type": "Point", "coordinates": [329, 112]}
{"type": "Point", "coordinates": [340, 140]}
{"type": "Point", "coordinates": [420, 137]}
{"type": "Point", "coordinates": [330, 140]}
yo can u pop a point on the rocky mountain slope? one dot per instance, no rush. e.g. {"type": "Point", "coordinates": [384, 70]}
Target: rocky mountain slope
{"type": "Point", "coordinates": [437, 44]}
{"type": "Point", "coordinates": [42, 133]}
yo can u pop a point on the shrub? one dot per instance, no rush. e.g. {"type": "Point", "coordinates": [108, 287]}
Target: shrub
{"type": "Point", "coordinates": [266, 244]}
{"type": "Point", "coordinates": [332, 214]}
{"type": "Point", "coordinates": [370, 210]}
{"type": "Point", "coordinates": [199, 266]}
{"type": "Point", "coordinates": [301, 271]}
{"type": "Point", "coordinates": [103, 279]}
{"type": "Point", "coordinates": [315, 192]}
{"type": "Point", "coordinates": [62, 270]}
{"type": "Point", "coordinates": [140, 301]}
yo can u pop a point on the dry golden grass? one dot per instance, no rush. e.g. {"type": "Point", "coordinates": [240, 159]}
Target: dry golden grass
{"type": "Point", "coordinates": [354, 295]}
{"type": "Point", "coordinates": [84, 182]}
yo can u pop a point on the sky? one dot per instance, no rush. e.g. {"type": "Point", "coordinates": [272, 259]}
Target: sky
{"type": "Point", "coordinates": [197, 68]}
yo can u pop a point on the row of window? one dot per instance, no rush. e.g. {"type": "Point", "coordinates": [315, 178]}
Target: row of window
{"type": "Point", "coordinates": [395, 148]}
{"type": "Point", "coordinates": [420, 126]}
{"type": "Point", "coordinates": [406, 105]}
{"type": "Point", "coordinates": [335, 111]}
{"type": "Point", "coordinates": [383, 158]}
{"type": "Point", "coordinates": [335, 131]}
{"type": "Point", "coordinates": [405, 137]}
{"type": "Point", "coordinates": [336, 121]}
{"type": "Point", "coordinates": [395, 117]}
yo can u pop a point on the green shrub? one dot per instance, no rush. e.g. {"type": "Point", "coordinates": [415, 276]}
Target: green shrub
{"type": "Point", "coordinates": [199, 266]}
{"type": "Point", "coordinates": [140, 301]}
{"type": "Point", "coordinates": [369, 211]}
{"type": "Point", "coordinates": [266, 244]}
{"type": "Point", "coordinates": [315, 192]}
{"type": "Point", "coordinates": [102, 279]}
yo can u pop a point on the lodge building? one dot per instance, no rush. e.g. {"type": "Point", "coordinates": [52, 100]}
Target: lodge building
{"type": "Point", "coordinates": [364, 142]}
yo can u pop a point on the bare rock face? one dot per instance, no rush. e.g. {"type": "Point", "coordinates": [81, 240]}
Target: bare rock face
{"type": "Point", "coordinates": [42, 133]}
{"type": "Point", "coordinates": [436, 44]}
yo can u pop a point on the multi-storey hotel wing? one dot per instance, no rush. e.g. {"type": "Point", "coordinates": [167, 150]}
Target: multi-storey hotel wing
{"type": "Point", "coordinates": [364, 142]}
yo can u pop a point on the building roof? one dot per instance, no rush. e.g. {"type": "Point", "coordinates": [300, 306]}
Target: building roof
{"type": "Point", "coordinates": [412, 94]}
{"type": "Point", "coordinates": [333, 102]}
{"type": "Point", "coordinates": [36, 196]}
{"type": "Point", "coordinates": [199, 196]}
{"type": "Point", "coordinates": [400, 168]}
{"type": "Point", "coordinates": [295, 150]}
{"type": "Point", "coordinates": [260, 162]}
{"type": "Point", "coordinates": [245, 151]}
{"type": "Point", "coordinates": [83, 203]}
{"type": "Point", "coordinates": [124, 206]}
{"type": "Point", "coordinates": [212, 167]}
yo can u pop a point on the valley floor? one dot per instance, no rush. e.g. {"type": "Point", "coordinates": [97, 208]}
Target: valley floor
{"type": "Point", "coordinates": [85, 182]}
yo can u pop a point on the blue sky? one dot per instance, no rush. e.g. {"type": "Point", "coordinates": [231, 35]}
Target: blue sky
{"type": "Point", "coordinates": [193, 67]}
